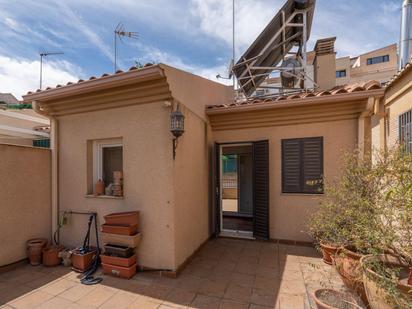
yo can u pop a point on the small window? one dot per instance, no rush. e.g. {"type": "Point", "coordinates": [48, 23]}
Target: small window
{"type": "Point", "coordinates": [302, 165]}
{"type": "Point", "coordinates": [340, 73]}
{"type": "Point", "coordinates": [376, 60]}
{"type": "Point", "coordinates": [108, 159]}
{"type": "Point", "coordinates": [405, 130]}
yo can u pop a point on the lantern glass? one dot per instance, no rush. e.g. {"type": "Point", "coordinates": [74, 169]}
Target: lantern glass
{"type": "Point", "coordinates": [177, 123]}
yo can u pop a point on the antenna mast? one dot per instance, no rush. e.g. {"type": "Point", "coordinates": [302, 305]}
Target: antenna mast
{"type": "Point", "coordinates": [120, 32]}
{"type": "Point", "coordinates": [44, 54]}
{"type": "Point", "coordinates": [233, 38]}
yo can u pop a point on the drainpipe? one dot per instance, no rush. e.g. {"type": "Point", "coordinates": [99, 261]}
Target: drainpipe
{"type": "Point", "coordinates": [54, 168]}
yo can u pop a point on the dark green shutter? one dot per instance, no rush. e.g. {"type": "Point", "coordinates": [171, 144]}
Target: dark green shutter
{"type": "Point", "coordinates": [261, 189]}
{"type": "Point", "coordinates": [312, 150]}
{"type": "Point", "coordinates": [291, 166]}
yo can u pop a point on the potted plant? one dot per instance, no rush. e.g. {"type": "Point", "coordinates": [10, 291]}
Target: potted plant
{"type": "Point", "coordinates": [387, 276]}
{"type": "Point", "coordinates": [332, 299]}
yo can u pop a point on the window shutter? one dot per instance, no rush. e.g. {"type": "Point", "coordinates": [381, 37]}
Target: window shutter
{"type": "Point", "coordinates": [291, 166]}
{"type": "Point", "coordinates": [312, 156]}
{"type": "Point", "coordinates": [261, 189]}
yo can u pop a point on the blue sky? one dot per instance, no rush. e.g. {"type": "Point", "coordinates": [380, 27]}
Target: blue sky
{"type": "Point", "coordinates": [194, 35]}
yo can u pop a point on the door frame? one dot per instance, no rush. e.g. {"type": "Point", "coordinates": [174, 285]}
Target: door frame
{"type": "Point", "coordinates": [222, 231]}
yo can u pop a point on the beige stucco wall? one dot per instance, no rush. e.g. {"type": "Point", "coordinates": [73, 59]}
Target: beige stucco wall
{"type": "Point", "coordinates": [25, 210]}
{"type": "Point", "coordinates": [148, 175]}
{"type": "Point", "coordinates": [289, 212]}
{"type": "Point", "coordinates": [398, 100]}
{"type": "Point", "coordinates": [191, 187]}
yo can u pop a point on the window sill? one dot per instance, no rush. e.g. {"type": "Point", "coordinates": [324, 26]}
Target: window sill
{"type": "Point", "coordinates": [110, 197]}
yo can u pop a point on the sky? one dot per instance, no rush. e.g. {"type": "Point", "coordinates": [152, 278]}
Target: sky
{"type": "Point", "coordinates": [194, 35]}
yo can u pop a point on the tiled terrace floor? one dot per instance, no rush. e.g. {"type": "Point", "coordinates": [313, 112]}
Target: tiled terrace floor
{"type": "Point", "coordinates": [227, 273]}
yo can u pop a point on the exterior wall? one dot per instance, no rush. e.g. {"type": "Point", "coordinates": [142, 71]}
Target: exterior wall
{"type": "Point", "coordinates": [191, 187]}
{"type": "Point", "coordinates": [25, 192]}
{"type": "Point", "coordinates": [289, 212]}
{"type": "Point", "coordinates": [398, 100]}
{"type": "Point", "coordinates": [343, 64]}
{"type": "Point", "coordinates": [148, 176]}
{"type": "Point", "coordinates": [325, 71]}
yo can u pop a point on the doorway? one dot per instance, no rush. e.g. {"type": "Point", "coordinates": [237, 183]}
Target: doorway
{"type": "Point", "coordinates": [237, 190]}
{"type": "Point", "coordinates": [241, 178]}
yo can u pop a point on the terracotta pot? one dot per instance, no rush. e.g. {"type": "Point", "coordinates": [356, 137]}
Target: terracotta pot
{"type": "Point", "coordinates": [119, 261]}
{"type": "Point", "coordinates": [51, 255]}
{"type": "Point", "coordinates": [120, 229]}
{"type": "Point", "coordinates": [410, 276]}
{"type": "Point", "coordinates": [82, 262]}
{"type": "Point", "coordinates": [347, 263]}
{"type": "Point", "coordinates": [328, 251]}
{"type": "Point", "coordinates": [377, 297]}
{"type": "Point", "coordinates": [332, 299]}
{"type": "Point", "coordinates": [123, 218]}
{"type": "Point", "coordinates": [119, 271]}
{"type": "Point", "coordinates": [34, 250]}
{"type": "Point", "coordinates": [99, 189]}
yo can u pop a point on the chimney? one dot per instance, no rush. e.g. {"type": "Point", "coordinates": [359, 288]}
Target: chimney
{"type": "Point", "coordinates": [325, 64]}
{"type": "Point", "coordinates": [405, 44]}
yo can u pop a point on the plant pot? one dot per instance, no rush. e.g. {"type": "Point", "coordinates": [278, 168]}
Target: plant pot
{"type": "Point", "coordinates": [328, 251]}
{"type": "Point", "coordinates": [410, 276]}
{"type": "Point", "coordinates": [118, 251]}
{"type": "Point", "coordinates": [128, 230]}
{"type": "Point", "coordinates": [118, 271]}
{"type": "Point", "coordinates": [378, 298]}
{"type": "Point", "coordinates": [82, 262]}
{"type": "Point", "coordinates": [332, 299]}
{"type": "Point", "coordinates": [123, 218]}
{"type": "Point", "coordinates": [122, 240]}
{"type": "Point", "coordinates": [51, 255]}
{"type": "Point", "coordinates": [119, 261]}
{"type": "Point", "coordinates": [34, 250]}
{"type": "Point", "coordinates": [347, 263]}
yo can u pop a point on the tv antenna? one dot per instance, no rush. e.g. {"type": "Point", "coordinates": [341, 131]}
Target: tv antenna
{"type": "Point", "coordinates": [120, 32]}
{"type": "Point", "coordinates": [44, 54]}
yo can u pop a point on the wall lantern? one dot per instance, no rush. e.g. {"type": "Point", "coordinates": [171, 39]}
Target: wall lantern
{"type": "Point", "coordinates": [177, 127]}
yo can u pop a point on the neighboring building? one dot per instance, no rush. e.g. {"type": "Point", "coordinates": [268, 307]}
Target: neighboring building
{"type": "Point", "coordinates": [379, 65]}
{"type": "Point", "coordinates": [8, 99]}
{"type": "Point", "coordinates": [23, 127]}
{"type": "Point", "coordinates": [280, 149]}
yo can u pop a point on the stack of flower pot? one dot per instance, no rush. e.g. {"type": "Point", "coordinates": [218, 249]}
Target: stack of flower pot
{"type": "Point", "coordinates": [120, 237]}
{"type": "Point", "coordinates": [117, 187]}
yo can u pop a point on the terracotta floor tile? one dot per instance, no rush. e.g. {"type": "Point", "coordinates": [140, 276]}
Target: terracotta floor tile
{"type": "Point", "coordinates": [223, 276]}
{"type": "Point", "coordinates": [246, 268]}
{"type": "Point", "coordinates": [55, 302]}
{"type": "Point", "coordinates": [292, 287]}
{"type": "Point", "coordinates": [96, 297]}
{"type": "Point", "coordinates": [267, 272]}
{"type": "Point", "coordinates": [189, 283]}
{"type": "Point", "coordinates": [239, 293]}
{"type": "Point", "coordinates": [254, 306]}
{"type": "Point", "coordinates": [159, 292]}
{"type": "Point", "coordinates": [31, 300]}
{"type": "Point", "coordinates": [76, 292]}
{"type": "Point", "coordinates": [292, 301]}
{"type": "Point", "coordinates": [57, 287]}
{"type": "Point", "coordinates": [205, 302]}
{"type": "Point", "coordinates": [119, 300]}
{"type": "Point", "coordinates": [243, 279]}
{"type": "Point", "coordinates": [213, 288]}
{"type": "Point", "coordinates": [264, 297]}
{"type": "Point", "coordinates": [231, 304]}
{"type": "Point", "coordinates": [12, 292]}
{"type": "Point", "coordinates": [225, 266]}
{"type": "Point", "coordinates": [179, 297]}
{"type": "Point", "coordinates": [264, 283]}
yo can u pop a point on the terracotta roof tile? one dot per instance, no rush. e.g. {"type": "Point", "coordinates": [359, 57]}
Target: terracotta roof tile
{"type": "Point", "coordinates": [91, 78]}
{"type": "Point", "coordinates": [344, 89]}
{"type": "Point", "coordinates": [399, 74]}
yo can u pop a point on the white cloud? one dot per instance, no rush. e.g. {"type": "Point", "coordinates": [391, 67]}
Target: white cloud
{"type": "Point", "coordinates": [19, 76]}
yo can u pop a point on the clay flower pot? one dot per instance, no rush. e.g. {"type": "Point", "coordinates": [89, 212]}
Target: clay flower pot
{"type": "Point", "coordinates": [82, 261]}
{"type": "Point", "coordinates": [347, 263]}
{"type": "Point", "coordinates": [51, 255]}
{"type": "Point", "coordinates": [378, 298]}
{"type": "Point", "coordinates": [328, 252]}
{"type": "Point", "coordinates": [34, 250]}
{"type": "Point", "coordinates": [332, 299]}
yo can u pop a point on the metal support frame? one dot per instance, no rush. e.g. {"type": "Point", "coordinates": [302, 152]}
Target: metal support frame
{"type": "Point", "coordinates": [301, 53]}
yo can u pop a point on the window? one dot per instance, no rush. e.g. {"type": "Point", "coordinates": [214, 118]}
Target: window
{"type": "Point", "coordinates": [405, 130]}
{"type": "Point", "coordinates": [42, 143]}
{"type": "Point", "coordinates": [107, 159]}
{"type": "Point", "coordinates": [302, 165]}
{"type": "Point", "coordinates": [340, 73]}
{"type": "Point", "coordinates": [376, 60]}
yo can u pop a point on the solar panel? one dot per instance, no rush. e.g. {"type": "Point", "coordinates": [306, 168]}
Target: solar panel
{"type": "Point", "coordinates": [285, 31]}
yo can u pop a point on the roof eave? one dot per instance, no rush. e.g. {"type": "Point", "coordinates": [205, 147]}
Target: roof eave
{"type": "Point", "coordinates": [355, 96]}
{"type": "Point", "coordinates": [114, 80]}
